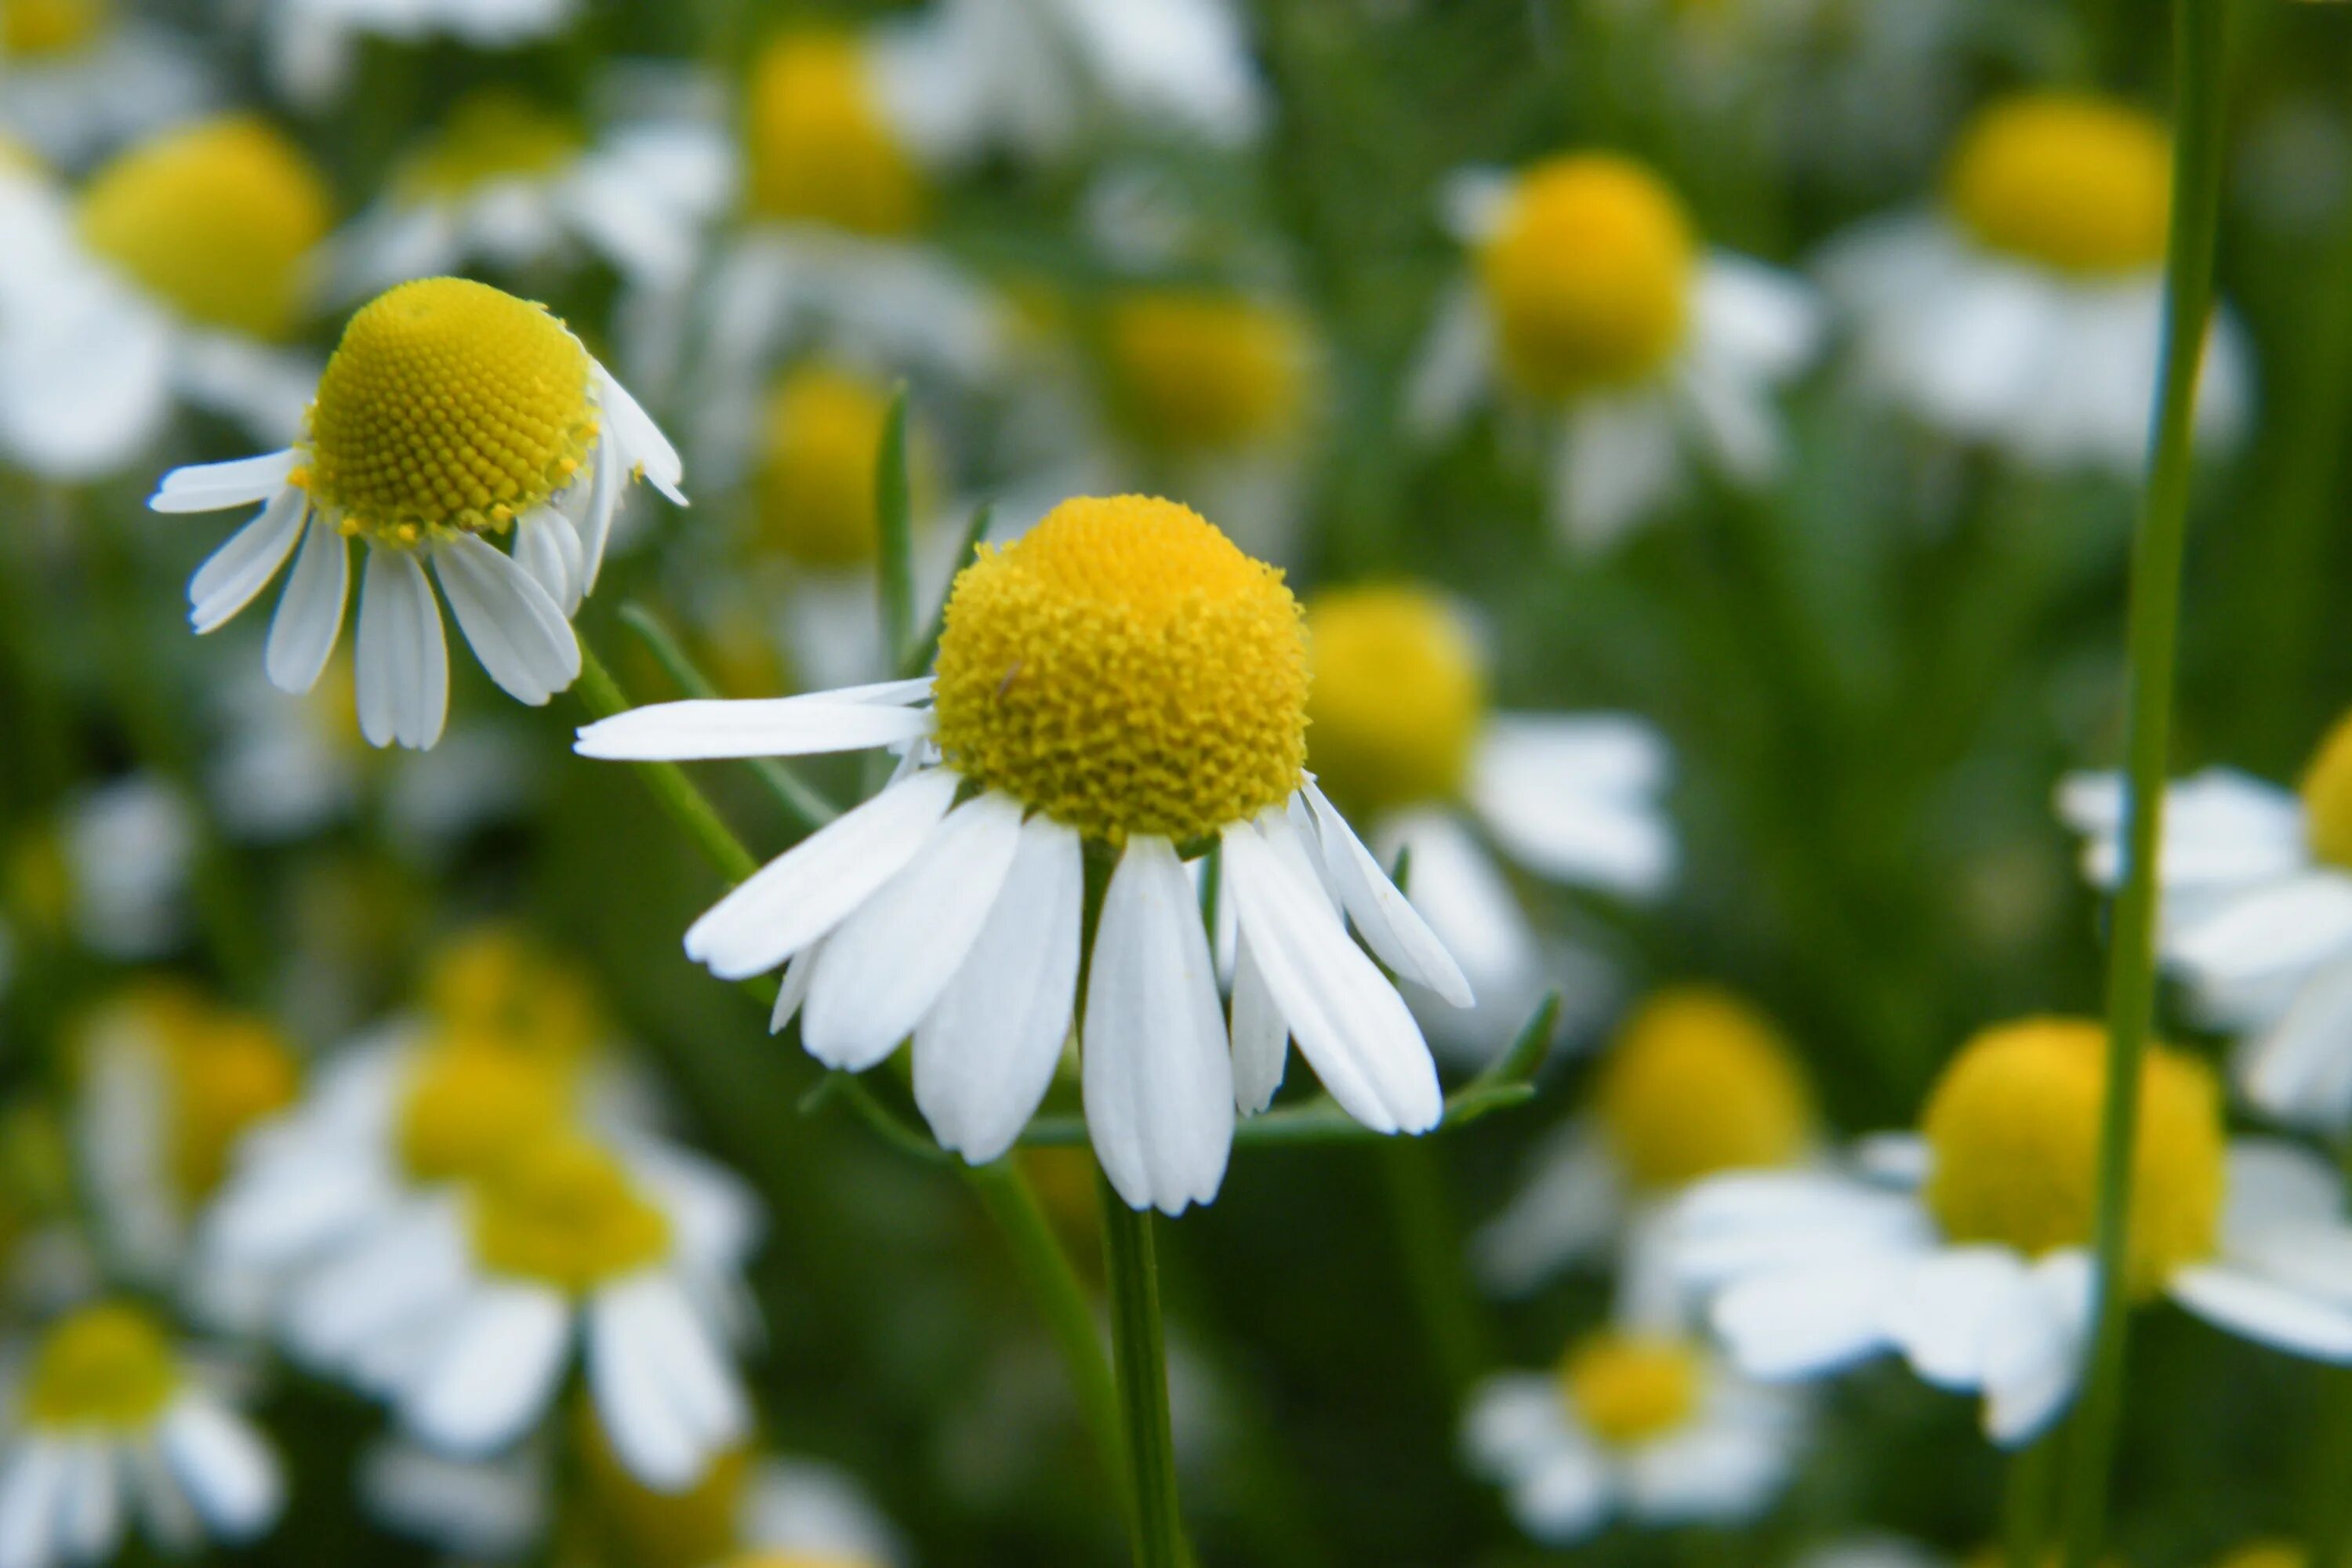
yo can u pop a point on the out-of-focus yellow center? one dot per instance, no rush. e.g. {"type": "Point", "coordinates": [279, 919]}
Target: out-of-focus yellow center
{"type": "Point", "coordinates": [2075, 182]}
{"type": "Point", "coordinates": [34, 27]}
{"type": "Point", "coordinates": [1399, 693]}
{"type": "Point", "coordinates": [448, 406]}
{"type": "Point", "coordinates": [817, 474]}
{"type": "Point", "coordinates": [1195, 371]}
{"type": "Point", "coordinates": [226, 1070]}
{"type": "Point", "coordinates": [107, 1368]}
{"type": "Point", "coordinates": [2327, 796]}
{"type": "Point", "coordinates": [820, 150]}
{"type": "Point", "coordinates": [1587, 276]}
{"type": "Point", "coordinates": [2264, 1554]}
{"type": "Point", "coordinates": [16, 158]}
{"type": "Point", "coordinates": [1628, 1388]}
{"type": "Point", "coordinates": [492, 135]}
{"type": "Point", "coordinates": [1698, 1081]}
{"type": "Point", "coordinates": [2014, 1125]}
{"type": "Point", "coordinates": [218, 219]}
{"type": "Point", "coordinates": [688, 1529]}
{"type": "Point", "coordinates": [496, 987]}
{"type": "Point", "coordinates": [1124, 669]}
{"type": "Point", "coordinates": [565, 1212]}
{"type": "Point", "coordinates": [469, 1107]}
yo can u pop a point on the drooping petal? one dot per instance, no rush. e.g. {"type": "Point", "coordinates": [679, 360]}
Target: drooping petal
{"type": "Point", "coordinates": [1261, 1038]}
{"type": "Point", "coordinates": [309, 618]}
{"type": "Point", "coordinates": [1391, 927]}
{"type": "Point", "coordinates": [2033, 1358]}
{"type": "Point", "coordinates": [215, 487]}
{"type": "Point", "coordinates": [1805, 1321]}
{"type": "Point", "coordinates": [639, 441]}
{"type": "Point", "coordinates": [403, 663]}
{"type": "Point", "coordinates": [234, 574]}
{"type": "Point", "coordinates": [496, 1372]}
{"type": "Point", "coordinates": [2266, 1309]}
{"type": "Point", "coordinates": [228, 1471]}
{"type": "Point", "coordinates": [514, 627]}
{"type": "Point", "coordinates": [547, 546]}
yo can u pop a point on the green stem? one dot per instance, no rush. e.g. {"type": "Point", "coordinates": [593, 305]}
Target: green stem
{"type": "Point", "coordinates": [2199, 42]}
{"type": "Point", "coordinates": [686, 806]}
{"type": "Point", "coordinates": [801, 801]}
{"type": "Point", "coordinates": [2331, 1515]}
{"type": "Point", "coordinates": [2025, 1506]}
{"type": "Point", "coordinates": [1131, 1264]}
{"type": "Point", "coordinates": [1429, 1237]}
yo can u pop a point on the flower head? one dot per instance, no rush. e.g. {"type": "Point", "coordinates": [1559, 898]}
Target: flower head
{"type": "Point", "coordinates": [1698, 1081]}
{"type": "Point", "coordinates": [1400, 696]}
{"type": "Point", "coordinates": [820, 147]}
{"type": "Point", "coordinates": [1195, 370]}
{"type": "Point", "coordinates": [2074, 182]}
{"type": "Point", "coordinates": [817, 479]}
{"type": "Point", "coordinates": [488, 137]}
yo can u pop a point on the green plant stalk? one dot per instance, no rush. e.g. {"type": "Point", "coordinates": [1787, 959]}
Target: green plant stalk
{"type": "Point", "coordinates": [2199, 70]}
{"type": "Point", "coordinates": [800, 800]}
{"type": "Point", "coordinates": [2025, 1502]}
{"type": "Point", "coordinates": [1428, 1240]}
{"type": "Point", "coordinates": [1131, 1264]}
{"type": "Point", "coordinates": [2330, 1543]}
{"type": "Point", "coordinates": [686, 806]}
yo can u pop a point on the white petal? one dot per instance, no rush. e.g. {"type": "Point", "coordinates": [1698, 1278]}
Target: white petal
{"type": "Point", "coordinates": [1770, 1221]}
{"type": "Point", "coordinates": [1458, 887]}
{"type": "Point", "coordinates": [514, 627]}
{"type": "Point", "coordinates": [411, 1270]}
{"type": "Point", "coordinates": [985, 1055]}
{"type": "Point", "coordinates": [310, 615]}
{"type": "Point", "coordinates": [1575, 800]}
{"type": "Point", "coordinates": [215, 487]}
{"type": "Point", "coordinates": [1261, 1039]}
{"type": "Point", "coordinates": [90, 1516]}
{"type": "Point", "coordinates": [2300, 1069]}
{"type": "Point", "coordinates": [547, 546]}
{"type": "Point", "coordinates": [229, 1472]}
{"type": "Point", "coordinates": [811, 887]}
{"type": "Point", "coordinates": [2281, 927]}
{"type": "Point", "coordinates": [638, 440]}
{"type": "Point", "coordinates": [768, 727]}
{"type": "Point", "coordinates": [1349, 1023]}
{"type": "Point", "coordinates": [497, 1374]}
{"type": "Point", "coordinates": [1572, 1202]}
{"type": "Point", "coordinates": [1158, 1078]}
{"type": "Point", "coordinates": [231, 575]}
{"type": "Point", "coordinates": [1757, 317]}
{"type": "Point", "coordinates": [2273, 1182]}
{"type": "Point", "coordinates": [1808, 1321]}
{"type": "Point", "coordinates": [793, 989]}
{"type": "Point", "coordinates": [1513, 1422]}
{"type": "Point", "coordinates": [31, 1494]}
{"type": "Point", "coordinates": [888, 963]}
{"type": "Point", "coordinates": [667, 1399]}
{"type": "Point", "coordinates": [2033, 1359]}
{"type": "Point", "coordinates": [1391, 927]}
{"type": "Point", "coordinates": [1942, 1314]}
{"type": "Point", "coordinates": [1617, 463]}
{"type": "Point", "coordinates": [1565, 1499]}
{"type": "Point", "coordinates": [2263, 1308]}
{"type": "Point", "coordinates": [403, 663]}
{"type": "Point", "coordinates": [599, 502]}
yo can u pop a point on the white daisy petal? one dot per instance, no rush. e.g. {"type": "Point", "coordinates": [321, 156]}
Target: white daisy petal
{"type": "Point", "coordinates": [309, 617]}
{"type": "Point", "coordinates": [2034, 1357]}
{"type": "Point", "coordinates": [2292, 923]}
{"type": "Point", "coordinates": [2300, 1069]}
{"type": "Point", "coordinates": [705, 729]}
{"type": "Point", "coordinates": [810, 889]}
{"type": "Point", "coordinates": [1565, 1499]}
{"type": "Point", "coordinates": [234, 574]}
{"type": "Point", "coordinates": [496, 1372]}
{"type": "Point", "coordinates": [600, 503]}
{"type": "Point", "coordinates": [90, 1517]}
{"type": "Point", "coordinates": [985, 1053]}
{"type": "Point", "coordinates": [792, 990]}
{"type": "Point", "coordinates": [1573, 799]}
{"type": "Point", "coordinates": [547, 546]}
{"type": "Point", "coordinates": [228, 1471]}
{"type": "Point", "coordinates": [638, 440]}
{"type": "Point", "coordinates": [886, 964]}
{"type": "Point", "coordinates": [1942, 1315]}
{"type": "Point", "coordinates": [513, 627]}
{"type": "Point", "coordinates": [1513, 1420]}
{"type": "Point", "coordinates": [2263, 1308]}
{"type": "Point", "coordinates": [31, 1494]}
{"type": "Point", "coordinates": [1803, 1322]}
{"type": "Point", "coordinates": [215, 487]}
{"type": "Point", "coordinates": [667, 1399]}
{"type": "Point", "coordinates": [1261, 1038]}
{"type": "Point", "coordinates": [1349, 1023]}
{"type": "Point", "coordinates": [403, 663]}
{"type": "Point", "coordinates": [1158, 1077]}
{"type": "Point", "coordinates": [1391, 927]}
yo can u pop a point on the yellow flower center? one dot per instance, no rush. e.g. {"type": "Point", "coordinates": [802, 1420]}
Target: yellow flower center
{"type": "Point", "coordinates": [817, 477]}
{"type": "Point", "coordinates": [2327, 796]}
{"type": "Point", "coordinates": [491, 135]}
{"type": "Point", "coordinates": [1628, 1388]}
{"type": "Point", "coordinates": [2074, 182]}
{"type": "Point", "coordinates": [224, 1070]}
{"type": "Point", "coordinates": [1588, 275]}
{"type": "Point", "coordinates": [497, 987]}
{"type": "Point", "coordinates": [689, 1529]}
{"type": "Point", "coordinates": [1399, 696]}
{"type": "Point", "coordinates": [218, 219]}
{"type": "Point", "coordinates": [29, 27]}
{"type": "Point", "coordinates": [1202, 372]}
{"type": "Point", "coordinates": [2264, 1554]}
{"type": "Point", "coordinates": [108, 1367]}
{"type": "Point", "coordinates": [1123, 668]}
{"type": "Point", "coordinates": [2014, 1124]}
{"type": "Point", "coordinates": [1699, 1081]}
{"type": "Point", "coordinates": [448, 406]}
{"type": "Point", "coordinates": [820, 150]}
{"type": "Point", "coordinates": [469, 1107]}
{"type": "Point", "coordinates": [563, 1210]}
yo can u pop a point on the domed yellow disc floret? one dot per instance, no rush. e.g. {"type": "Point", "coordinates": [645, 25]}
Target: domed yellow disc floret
{"type": "Point", "coordinates": [688, 1529]}
{"type": "Point", "coordinates": [448, 406]}
{"type": "Point", "coordinates": [1627, 1388]}
{"type": "Point", "coordinates": [490, 136]}
{"type": "Point", "coordinates": [2074, 182]}
{"type": "Point", "coordinates": [1399, 694]}
{"type": "Point", "coordinates": [106, 1368]}
{"type": "Point", "coordinates": [1698, 1081]}
{"type": "Point", "coordinates": [820, 150]}
{"type": "Point", "coordinates": [497, 987]}
{"type": "Point", "coordinates": [1588, 275]}
{"type": "Point", "coordinates": [33, 27]}
{"type": "Point", "coordinates": [2327, 796]}
{"type": "Point", "coordinates": [1123, 668]}
{"type": "Point", "coordinates": [218, 219]}
{"type": "Point", "coordinates": [817, 474]}
{"type": "Point", "coordinates": [2014, 1125]}
{"type": "Point", "coordinates": [1193, 371]}
{"type": "Point", "coordinates": [470, 1107]}
{"type": "Point", "coordinates": [565, 1212]}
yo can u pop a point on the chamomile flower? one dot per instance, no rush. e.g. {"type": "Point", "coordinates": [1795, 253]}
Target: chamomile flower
{"type": "Point", "coordinates": [1042, 79]}
{"type": "Point", "coordinates": [2025, 309]}
{"type": "Point", "coordinates": [1965, 1246]}
{"type": "Point", "coordinates": [505, 182]}
{"type": "Point", "coordinates": [166, 1082]}
{"type": "Point", "coordinates": [1117, 685]}
{"type": "Point", "coordinates": [1403, 736]}
{"type": "Point", "coordinates": [2256, 918]}
{"type": "Point", "coordinates": [1696, 1081]}
{"type": "Point", "coordinates": [179, 273]}
{"type": "Point", "coordinates": [1595, 314]}
{"type": "Point", "coordinates": [113, 1422]}
{"type": "Point", "coordinates": [311, 42]}
{"type": "Point", "coordinates": [78, 77]}
{"type": "Point", "coordinates": [1648, 1428]}
{"type": "Point", "coordinates": [450, 412]}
